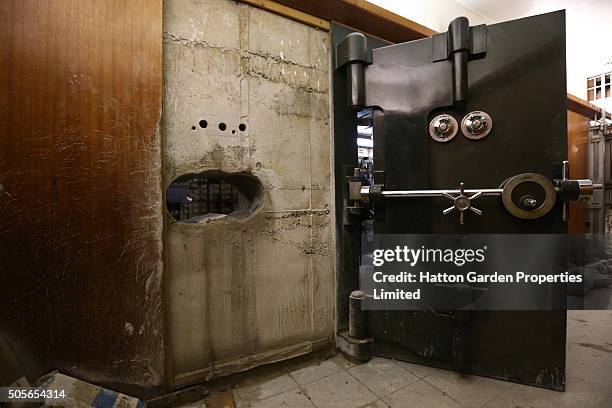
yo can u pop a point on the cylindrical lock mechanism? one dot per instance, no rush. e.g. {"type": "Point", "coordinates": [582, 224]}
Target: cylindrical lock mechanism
{"type": "Point", "coordinates": [575, 190]}
{"type": "Point", "coordinates": [528, 195]}
{"type": "Point", "coordinates": [443, 128]}
{"type": "Point", "coordinates": [476, 125]}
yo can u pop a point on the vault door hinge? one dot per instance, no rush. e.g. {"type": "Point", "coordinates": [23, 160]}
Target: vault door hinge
{"type": "Point", "coordinates": [460, 44]}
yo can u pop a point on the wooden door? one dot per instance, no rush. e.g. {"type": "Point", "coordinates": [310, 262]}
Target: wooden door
{"type": "Point", "coordinates": [80, 224]}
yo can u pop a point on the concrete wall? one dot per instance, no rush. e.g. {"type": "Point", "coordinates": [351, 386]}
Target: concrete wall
{"type": "Point", "coordinates": [241, 292]}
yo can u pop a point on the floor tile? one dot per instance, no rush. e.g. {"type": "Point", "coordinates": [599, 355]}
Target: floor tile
{"type": "Point", "coordinates": [337, 382]}
{"type": "Point", "coordinates": [376, 404]}
{"type": "Point", "coordinates": [417, 369]}
{"type": "Point", "coordinates": [197, 404]}
{"type": "Point", "coordinates": [382, 376]}
{"type": "Point", "coordinates": [314, 372]}
{"type": "Point", "coordinates": [420, 395]}
{"type": "Point", "coordinates": [266, 389]}
{"type": "Point", "coordinates": [289, 399]}
{"type": "Point", "coordinates": [577, 394]}
{"type": "Point", "coordinates": [344, 362]}
{"type": "Point", "coordinates": [339, 391]}
{"type": "Point", "coordinates": [216, 399]}
{"type": "Point", "coordinates": [590, 359]}
{"type": "Point", "coordinates": [468, 390]}
{"type": "Point", "coordinates": [607, 402]}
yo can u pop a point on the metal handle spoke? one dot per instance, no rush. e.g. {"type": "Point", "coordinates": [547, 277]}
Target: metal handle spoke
{"type": "Point", "coordinates": [448, 210]}
{"type": "Point", "coordinates": [476, 210]}
{"type": "Point", "coordinates": [450, 197]}
{"type": "Point", "coordinates": [475, 196]}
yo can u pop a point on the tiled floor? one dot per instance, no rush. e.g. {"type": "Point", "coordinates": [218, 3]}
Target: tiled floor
{"type": "Point", "coordinates": [337, 383]}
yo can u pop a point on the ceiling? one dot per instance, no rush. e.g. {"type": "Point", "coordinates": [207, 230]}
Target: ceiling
{"type": "Point", "coordinates": [500, 10]}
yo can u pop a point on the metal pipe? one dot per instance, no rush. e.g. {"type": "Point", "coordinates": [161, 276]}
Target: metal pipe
{"type": "Point", "coordinates": [565, 176]}
{"type": "Point", "coordinates": [365, 192]}
{"type": "Point", "coordinates": [358, 319]}
{"type": "Point", "coordinates": [431, 193]}
{"type": "Point", "coordinates": [437, 193]}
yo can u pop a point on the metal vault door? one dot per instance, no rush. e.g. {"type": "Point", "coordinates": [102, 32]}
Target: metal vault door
{"type": "Point", "coordinates": [476, 105]}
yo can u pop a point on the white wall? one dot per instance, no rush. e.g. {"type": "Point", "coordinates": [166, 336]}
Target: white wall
{"type": "Point", "coordinates": [589, 30]}
{"type": "Point", "coordinates": [434, 14]}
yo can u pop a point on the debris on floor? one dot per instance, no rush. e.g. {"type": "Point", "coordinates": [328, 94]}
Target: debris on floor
{"type": "Point", "coordinates": [83, 394]}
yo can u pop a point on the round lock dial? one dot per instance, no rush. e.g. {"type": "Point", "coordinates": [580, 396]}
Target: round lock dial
{"type": "Point", "coordinates": [443, 128]}
{"type": "Point", "coordinates": [476, 125]}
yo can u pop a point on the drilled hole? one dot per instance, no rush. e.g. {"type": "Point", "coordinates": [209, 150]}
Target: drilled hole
{"type": "Point", "coordinates": [193, 128]}
{"type": "Point", "coordinates": [203, 124]}
{"type": "Point", "coordinates": [233, 131]}
{"type": "Point", "coordinates": [242, 127]}
{"type": "Point", "coordinates": [222, 126]}
{"type": "Point", "coordinates": [193, 198]}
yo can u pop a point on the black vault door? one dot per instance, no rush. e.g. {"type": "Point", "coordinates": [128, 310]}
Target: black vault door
{"type": "Point", "coordinates": [514, 73]}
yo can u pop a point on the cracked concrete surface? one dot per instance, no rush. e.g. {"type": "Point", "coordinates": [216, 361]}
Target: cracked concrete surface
{"type": "Point", "coordinates": [244, 292]}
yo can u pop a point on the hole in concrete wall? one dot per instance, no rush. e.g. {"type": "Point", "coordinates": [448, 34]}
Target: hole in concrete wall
{"type": "Point", "coordinates": [242, 127]}
{"type": "Point", "coordinates": [193, 128]}
{"type": "Point", "coordinates": [222, 126]}
{"type": "Point", "coordinates": [203, 124]}
{"type": "Point", "coordinates": [233, 131]}
{"type": "Point", "coordinates": [193, 198]}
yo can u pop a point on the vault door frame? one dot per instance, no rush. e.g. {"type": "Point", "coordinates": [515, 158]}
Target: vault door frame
{"type": "Point", "coordinates": [348, 237]}
{"type": "Point", "coordinates": [349, 248]}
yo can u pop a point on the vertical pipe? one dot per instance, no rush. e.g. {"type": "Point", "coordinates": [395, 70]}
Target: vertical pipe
{"type": "Point", "coordinates": [358, 322]}
{"type": "Point", "coordinates": [565, 176]}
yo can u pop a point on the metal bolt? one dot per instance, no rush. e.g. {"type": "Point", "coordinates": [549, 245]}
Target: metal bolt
{"type": "Point", "coordinates": [529, 202]}
{"type": "Point", "coordinates": [462, 203]}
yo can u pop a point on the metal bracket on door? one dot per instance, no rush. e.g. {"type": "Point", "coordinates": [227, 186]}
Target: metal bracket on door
{"type": "Point", "coordinates": [526, 196]}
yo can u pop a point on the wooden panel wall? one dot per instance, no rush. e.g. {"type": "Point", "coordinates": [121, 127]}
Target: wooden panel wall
{"type": "Point", "coordinates": [80, 233]}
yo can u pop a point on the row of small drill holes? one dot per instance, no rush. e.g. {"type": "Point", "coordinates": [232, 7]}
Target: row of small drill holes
{"type": "Point", "coordinates": [222, 126]}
